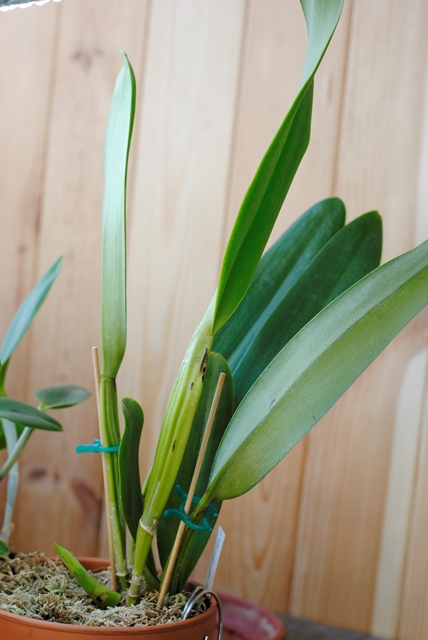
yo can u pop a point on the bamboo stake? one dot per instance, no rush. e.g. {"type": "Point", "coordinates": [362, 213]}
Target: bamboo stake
{"type": "Point", "coordinates": [96, 366]}
{"type": "Point", "coordinates": [167, 579]}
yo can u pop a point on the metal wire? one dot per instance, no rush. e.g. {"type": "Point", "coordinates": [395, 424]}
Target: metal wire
{"type": "Point", "coordinates": [198, 593]}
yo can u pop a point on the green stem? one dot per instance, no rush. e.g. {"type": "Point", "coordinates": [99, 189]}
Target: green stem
{"type": "Point", "coordinates": [110, 435]}
{"type": "Point", "coordinates": [176, 426]}
{"type": "Point", "coordinates": [176, 583]}
{"type": "Point", "coordinates": [16, 451]}
{"type": "Point", "coordinates": [142, 550]}
{"type": "Point", "coordinates": [12, 471]}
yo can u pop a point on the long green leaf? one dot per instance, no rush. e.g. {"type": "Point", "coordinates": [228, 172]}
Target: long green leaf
{"type": "Point", "coordinates": [129, 471]}
{"type": "Point", "coordinates": [350, 254]}
{"type": "Point", "coordinates": [314, 369]}
{"type": "Point", "coordinates": [321, 18]}
{"type": "Point", "coordinates": [24, 414]}
{"type": "Point", "coordinates": [27, 310]}
{"type": "Point", "coordinates": [270, 185]}
{"type": "Point", "coordinates": [118, 139]}
{"type": "Point", "coordinates": [113, 312]}
{"type": "Point", "coordinates": [279, 269]}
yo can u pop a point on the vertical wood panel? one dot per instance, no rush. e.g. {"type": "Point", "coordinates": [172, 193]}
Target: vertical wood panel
{"type": "Point", "coordinates": [413, 613]}
{"type": "Point", "coordinates": [399, 498]}
{"type": "Point", "coordinates": [346, 470]}
{"type": "Point", "coordinates": [27, 44]}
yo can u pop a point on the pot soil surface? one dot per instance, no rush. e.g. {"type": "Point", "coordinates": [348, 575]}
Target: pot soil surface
{"type": "Point", "coordinates": [38, 587]}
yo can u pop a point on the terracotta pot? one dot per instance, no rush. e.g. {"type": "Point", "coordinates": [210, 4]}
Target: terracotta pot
{"type": "Point", "coordinates": [14, 627]}
{"type": "Point", "coordinates": [244, 620]}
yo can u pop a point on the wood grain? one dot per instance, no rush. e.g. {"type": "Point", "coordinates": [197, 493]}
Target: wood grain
{"type": "Point", "coordinates": [27, 43]}
{"type": "Point", "coordinates": [346, 471]}
{"type": "Point", "coordinates": [399, 498]}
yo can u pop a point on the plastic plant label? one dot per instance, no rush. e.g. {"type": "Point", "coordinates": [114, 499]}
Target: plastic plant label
{"type": "Point", "coordinates": [215, 556]}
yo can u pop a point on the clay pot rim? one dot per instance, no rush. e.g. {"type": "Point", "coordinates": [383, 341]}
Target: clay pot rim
{"type": "Point", "coordinates": [78, 628]}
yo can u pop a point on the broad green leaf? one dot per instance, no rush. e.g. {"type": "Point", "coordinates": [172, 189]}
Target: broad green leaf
{"type": "Point", "coordinates": [280, 267]}
{"type": "Point", "coordinates": [24, 414]}
{"type": "Point", "coordinates": [168, 526]}
{"type": "Point", "coordinates": [273, 178]}
{"type": "Point", "coordinates": [129, 470]}
{"type": "Point", "coordinates": [100, 594]}
{"type": "Point", "coordinates": [60, 396]}
{"type": "Point", "coordinates": [118, 139]}
{"type": "Point", "coordinates": [349, 255]}
{"type": "Point", "coordinates": [27, 310]}
{"type": "Point", "coordinates": [314, 369]}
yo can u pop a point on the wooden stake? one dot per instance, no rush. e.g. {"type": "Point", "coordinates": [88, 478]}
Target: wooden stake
{"type": "Point", "coordinates": [168, 575]}
{"type": "Point", "coordinates": [96, 366]}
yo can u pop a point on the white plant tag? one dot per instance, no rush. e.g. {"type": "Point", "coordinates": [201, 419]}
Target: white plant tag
{"type": "Point", "coordinates": [215, 556]}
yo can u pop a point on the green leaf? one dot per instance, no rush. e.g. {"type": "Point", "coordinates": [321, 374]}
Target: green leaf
{"type": "Point", "coordinates": [279, 269]}
{"type": "Point", "coordinates": [167, 528]}
{"type": "Point", "coordinates": [118, 139]}
{"type": "Point", "coordinates": [24, 414]}
{"type": "Point", "coordinates": [129, 470]}
{"type": "Point", "coordinates": [261, 207]}
{"type": "Point", "coordinates": [349, 255]}
{"type": "Point", "coordinates": [100, 594]}
{"type": "Point", "coordinates": [314, 369]}
{"type": "Point", "coordinates": [321, 18]}
{"type": "Point", "coordinates": [4, 549]}
{"type": "Point", "coordinates": [27, 310]}
{"type": "Point", "coordinates": [3, 443]}
{"type": "Point", "coordinates": [270, 185]}
{"type": "Point", "coordinates": [60, 396]}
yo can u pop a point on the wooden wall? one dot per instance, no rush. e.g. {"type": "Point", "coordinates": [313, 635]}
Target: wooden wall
{"type": "Point", "coordinates": [338, 531]}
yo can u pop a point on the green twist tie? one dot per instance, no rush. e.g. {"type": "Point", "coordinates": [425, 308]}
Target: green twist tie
{"type": "Point", "coordinates": [96, 448]}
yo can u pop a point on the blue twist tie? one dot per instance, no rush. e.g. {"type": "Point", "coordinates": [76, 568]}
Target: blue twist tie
{"type": "Point", "coordinates": [182, 515]}
{"type": "Point", "coordinates": [96, 448]}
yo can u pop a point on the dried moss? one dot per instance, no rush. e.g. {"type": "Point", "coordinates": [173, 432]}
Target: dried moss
{"type": "Point", "coordinates": [37, 587]}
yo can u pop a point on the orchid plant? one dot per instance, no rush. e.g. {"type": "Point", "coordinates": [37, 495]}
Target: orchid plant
{"type": "Point", "coordinates": [18, 420]}
{"type": "Point", "coordinates": [289, 331]}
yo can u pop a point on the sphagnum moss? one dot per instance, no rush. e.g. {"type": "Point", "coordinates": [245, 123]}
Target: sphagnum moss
{"type": "Point", "coordinates": [38, 587]}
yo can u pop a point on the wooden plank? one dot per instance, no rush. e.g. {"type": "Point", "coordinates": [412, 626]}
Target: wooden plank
{"type": "Point", "coordinates": [88, 60]}
{"type": "Point", "coordinates": [257, 561]}
{"type": "Point", "coordinates": [27, 40]}
{"type": "Point", "coordinates": [398, 504]}
{"type": "Point", "coordinates": [346, 472]}
{"type": "Point", "coordinates": [413, 614]}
